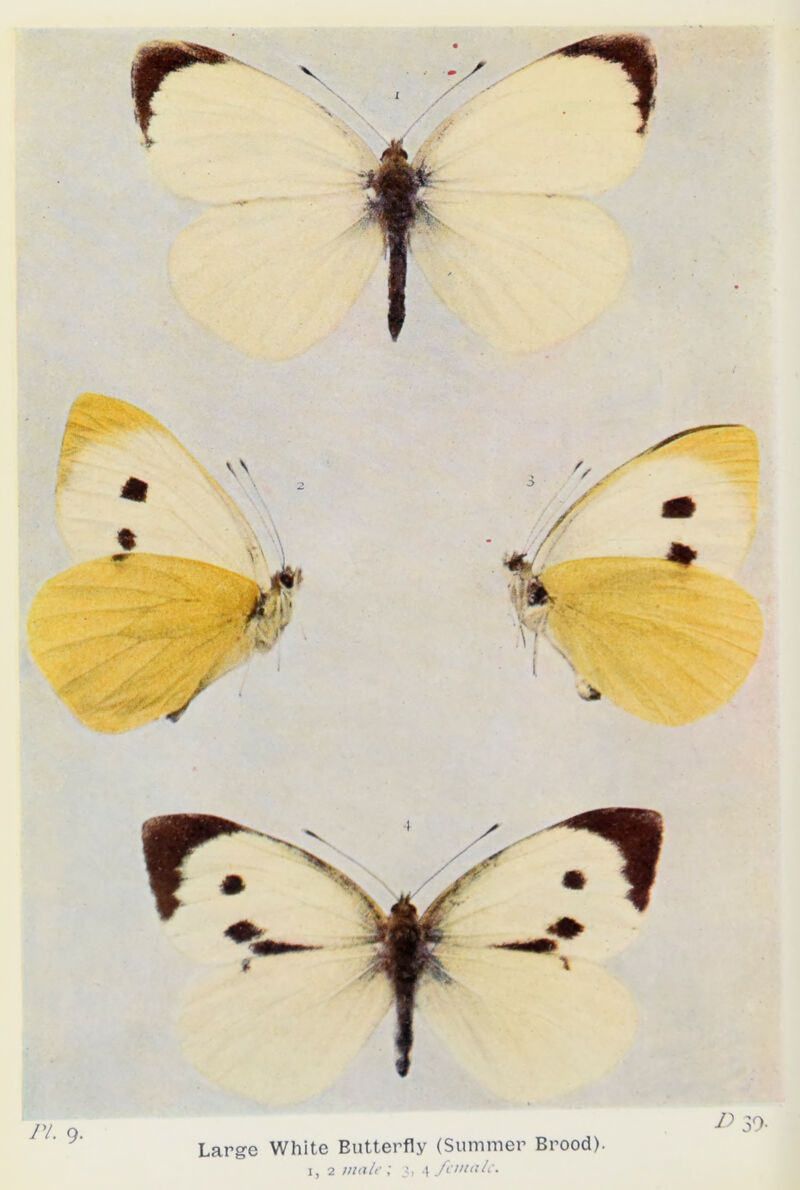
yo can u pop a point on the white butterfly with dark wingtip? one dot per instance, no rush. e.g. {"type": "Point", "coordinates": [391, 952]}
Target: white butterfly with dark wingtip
{"type": "Point", "coordinates": [503, 964]}
{"type": "Point", "coordinates": [491, 205]}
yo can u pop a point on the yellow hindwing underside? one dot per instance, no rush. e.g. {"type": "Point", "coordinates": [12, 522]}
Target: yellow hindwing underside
{"type": "Point", "coordinates": [667, 642]}
{"type": "Point", "coordinates": [126, 639]}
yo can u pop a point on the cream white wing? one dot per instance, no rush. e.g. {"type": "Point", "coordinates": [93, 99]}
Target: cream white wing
{"type": "Point", "coordinates": [515, 989]}
{"type": "Point", "coordinates": [577, 889]}
{"type": "Point", "coordinates": [696, 491]}
{"type": "Point", "coordinates": [273, 276]}
{"type": "Point", "coordinates": [523, 271]}
{"type": "Point", "coordinates": [219, 131]}
{"type": "Point", "coordinates": [573, 122]}
{"type": "Point", "coordinates": [297, 991]}
{"type": "Point", "coordinates": [282, 1029]}
{"type": "Point", "coordinates": [125, 484]}
{"type": "Point", "coordinates": [528, 1027]}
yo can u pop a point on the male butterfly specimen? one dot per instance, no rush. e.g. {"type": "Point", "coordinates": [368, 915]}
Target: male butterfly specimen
{"type": "Point", "coordinates": [301, 208]}
{"type": "Point", "coordinates": [633, 584]}
{"type": "Point", "coordinates": [171, 588]}
{"type": "Point", "coordinates": [504, 964]}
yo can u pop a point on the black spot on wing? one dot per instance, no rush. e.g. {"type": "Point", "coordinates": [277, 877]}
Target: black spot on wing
{"type": "Point", "coordinates": [151, 65]}
{"type": "Point", "coordinates": [242, 931]}
{"type": "Point", "coordinates": [126, 538]}
{"type": "Point", "coordinates": [678, 552]}
{"type": "Point", "coordinates": [231, 885]}
{"type": "Point", "coordinates": [270, 946]}
{"type": "Point", "coordinates": [535, 946]}
{"type": "Point", "coordinates": [565, 927]}
{"type": "Point", "coordinates": [636, 56]}
{"type": "Point", "coordinates": [167, 840]}
{"type": "Point", "coordinates": [637, 835]}
{"type": "Point", "coordinates": [573, 879]}
{"type": "Point", "coordinates": [678, 507]}
{"type": "Point", "coordinates": [134, 489]}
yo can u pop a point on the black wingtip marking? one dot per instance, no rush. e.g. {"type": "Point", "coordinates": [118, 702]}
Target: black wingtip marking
{"type": "Point", "coordinates": [167, 840]}
{"type": "Point", "coordinates": [636, 56]}
{"type": "Point", "coordinates": [151, 65]}
{"type": "Point", "coordinates": [681, 553]}
{"type": "Point", "coordinates": [134, 489]}
{"type": "Point", "coordinates": [270, 946]}
{"type": "Point", "coordinates": [637, 834]}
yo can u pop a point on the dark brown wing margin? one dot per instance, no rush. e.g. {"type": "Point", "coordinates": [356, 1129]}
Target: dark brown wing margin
{"type": "Point", "coordinates": [151, 65]}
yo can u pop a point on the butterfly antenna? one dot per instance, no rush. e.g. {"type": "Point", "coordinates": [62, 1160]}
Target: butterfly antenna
{"type": "Point", "coordinates": [535, 652]}
{"type": "Point", "coordinates": [453, 858]}
{"type": "Point", "coordinates": [457, 83]}
{"type": "Point", "coordinates": [566, 499]}
{"type": "Point", "coordinates": [342, 99]}
{"type": "Point", "coordinates": [260, 505]}
{"type": "Point", "coordinates": [556, 500]}
{"type": "Point", "coordinates": [352, 860]}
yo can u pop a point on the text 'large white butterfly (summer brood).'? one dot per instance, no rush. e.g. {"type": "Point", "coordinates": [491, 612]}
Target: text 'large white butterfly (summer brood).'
{"type": "Point", "coordinates": [171, 588]}
{"type": "Point", "coordinates": [491, 205]}
{"type": "Point", "coordinates": [633, 584]}
{"type": "Point", "coordinates": [504, 964]}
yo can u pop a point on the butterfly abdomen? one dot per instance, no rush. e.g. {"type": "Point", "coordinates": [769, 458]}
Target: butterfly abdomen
{"type": "Point", "coordinates": [396, 185]}
{"type": "Point", "coordinates": [403, 956]}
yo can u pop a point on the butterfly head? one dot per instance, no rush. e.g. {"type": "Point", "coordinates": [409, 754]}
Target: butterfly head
{"type": "Point", "coordinates": [395, 152]}
{"type": "Point", "coordinates": [528, 593]}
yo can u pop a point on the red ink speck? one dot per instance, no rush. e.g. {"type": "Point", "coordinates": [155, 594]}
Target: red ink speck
{"type": "Point", "coordinates": [488, 541]}
{"type": "Point", "coordinates": [736, 287]}
{"type": "Point", "coordinates": [451, 72]}
{"type": "Point", "coordinates": [455, 45]}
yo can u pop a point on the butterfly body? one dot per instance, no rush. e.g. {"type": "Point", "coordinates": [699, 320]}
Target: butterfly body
{"type": "Point", "coordinates": [504, 964]}
{"type": "Point", "coordinates": [633, 583]}
{"type": "Point", "coordinates": [170, 589]}
{"type": "Point", "coordinates": [491, 205]}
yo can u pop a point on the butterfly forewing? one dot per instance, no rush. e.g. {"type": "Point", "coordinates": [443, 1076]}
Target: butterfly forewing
{"type": "Point", "coordinates": [126, 485]}
{"type": "Point", "coordinates": [698, 489]}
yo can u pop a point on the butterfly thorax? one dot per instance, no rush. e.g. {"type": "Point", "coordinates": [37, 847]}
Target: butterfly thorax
{"type": "Point", "coordinates": [403, 953]}
{"type": "Point", "coordinates": [272, 610]}
{"type": "Point", "coordinates": [395, 186]}
{"type": "Point", "coordinates": [528, 594]}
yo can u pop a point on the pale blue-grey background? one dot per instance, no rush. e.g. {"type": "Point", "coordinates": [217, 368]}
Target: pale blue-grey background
{"type": "Point", "coordinates": [402, 694]}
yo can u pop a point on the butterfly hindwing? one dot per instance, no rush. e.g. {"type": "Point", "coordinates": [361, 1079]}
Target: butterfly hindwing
{"type": "Point", "coordinates": [524, 1005]}
{"type": "Point", "coordinates": [666, 641]}
{"type": "Point", "coordinates": [298, 995]}
{"type": "Point", "coordinates": [126, 639]}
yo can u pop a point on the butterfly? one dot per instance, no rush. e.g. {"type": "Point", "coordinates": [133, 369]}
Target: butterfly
{"type": "Point", "coordinates": [171, 588]}
{"type": "Point", "coordinates": [302, 209]}
{"type": "Point", "coordinates": [504, 964]}
{"type": "Point", "coordinates": [633, 584]}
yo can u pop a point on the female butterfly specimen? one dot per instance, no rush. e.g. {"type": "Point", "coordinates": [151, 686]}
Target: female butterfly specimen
{"type": "Point", "coordinates": [302, 208]}
{"type": "Point", "coordinates": [633, 584]}
{"type": "Point", "coordinates": [171, 589]}
{"type": "Point", "coordinates": [503, 964]}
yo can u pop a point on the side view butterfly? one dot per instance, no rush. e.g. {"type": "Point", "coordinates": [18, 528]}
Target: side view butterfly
{"type": "Point", "coordinates": [504, 964]}
{"type": "Point", "coordinates": [171, 588]}
{"type": "Point", "coordinates": [301, 208]}
{"type": "Point", "coordinates": [633, 584]}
